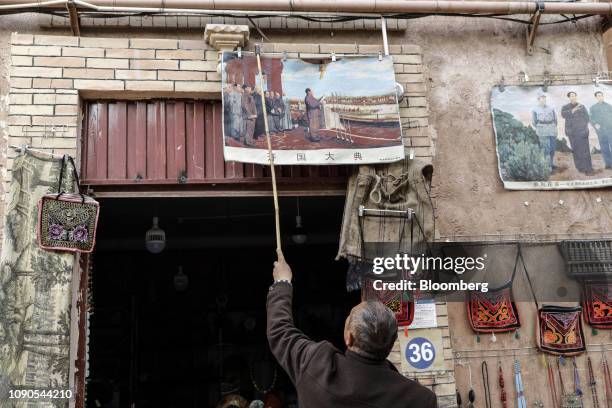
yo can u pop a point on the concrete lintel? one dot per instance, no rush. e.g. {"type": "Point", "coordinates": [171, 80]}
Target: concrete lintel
{"type": "Point", "coordinates": [226, 37]}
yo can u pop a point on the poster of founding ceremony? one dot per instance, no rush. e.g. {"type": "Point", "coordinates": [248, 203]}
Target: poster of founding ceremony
{"type": "Point", "coordinates": [338, 112]}
{"type": "Point", "coordinates": [554, 138]}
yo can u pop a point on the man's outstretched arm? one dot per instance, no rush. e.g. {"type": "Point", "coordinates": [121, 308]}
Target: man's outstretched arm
{"type": "Point", "coordinates": [289, 345]}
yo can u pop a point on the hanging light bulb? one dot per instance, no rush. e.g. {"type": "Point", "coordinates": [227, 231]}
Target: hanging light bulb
{"type": "Point", "coordinates": [181, 281]}
{"type": "Point", "coordinates": [155, 239]}
{"type": "Point", "coordinates": [299, 234]}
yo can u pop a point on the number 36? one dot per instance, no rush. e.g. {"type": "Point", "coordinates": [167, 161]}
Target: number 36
{"type": "Point", "coordinates": [423, 351]}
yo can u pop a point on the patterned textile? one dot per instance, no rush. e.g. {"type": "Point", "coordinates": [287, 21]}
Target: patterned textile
{"type": "Point", "coordinates": [560, 330]}
{"type": "Point", "coordinates": [35, 291]}
{"type": "Point", "coordinates": [397, 186]}
{"type": "Point", "coordinates": [68, 223]}
{"type": "Point", "coordinates": [597, 301]}
{"type": "Point", "coordinates": [397, 300]}
{"type": "Point", "coordinates": [493, 311]}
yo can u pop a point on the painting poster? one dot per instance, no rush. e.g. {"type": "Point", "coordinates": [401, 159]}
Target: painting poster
{"type": "Point", "coordinates": [318, 112]}
{"type": "Point", "coordinates": [554, 138]}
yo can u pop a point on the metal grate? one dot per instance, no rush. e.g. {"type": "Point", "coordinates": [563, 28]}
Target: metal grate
{"type": "Point", "coordinates": [588, 259]}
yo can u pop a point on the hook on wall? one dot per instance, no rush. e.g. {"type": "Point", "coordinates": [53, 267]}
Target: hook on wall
{"type": "Point", "coordinates": [502, 84]}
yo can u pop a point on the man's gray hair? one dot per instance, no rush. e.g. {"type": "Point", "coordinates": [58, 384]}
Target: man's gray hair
{"type": "Point", "coordinates": [374, 329]}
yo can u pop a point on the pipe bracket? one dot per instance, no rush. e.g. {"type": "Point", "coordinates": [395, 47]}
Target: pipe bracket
{"type": "Point", "coordinates": [533, 27]}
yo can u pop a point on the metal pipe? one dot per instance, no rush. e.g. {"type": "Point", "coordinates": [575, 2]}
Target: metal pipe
{"type": "Point", "coordinates": [384, 35]}
{"type": "Point", "coordinates": [341, 6]}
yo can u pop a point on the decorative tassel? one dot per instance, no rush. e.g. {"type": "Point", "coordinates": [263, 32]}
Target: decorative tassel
{"type": "Point", "coordinates": [478, 338]}
{"type": "Point", "coordinates": [594, 331]}
{"type": "Point", "coordinates": [502, 389]}
{"type": "Point", "coordinates": [493, 338]}
{"type": "Point", "coordinates": [517, 335]}
{"type": "Point", "coordinates": [471, 398]}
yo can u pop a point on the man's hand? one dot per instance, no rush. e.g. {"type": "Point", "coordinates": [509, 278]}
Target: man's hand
{"type": "Point", "coordinates": [282, 270]}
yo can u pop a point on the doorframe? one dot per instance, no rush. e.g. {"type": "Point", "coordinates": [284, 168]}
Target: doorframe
{"type": "Point", "coordinates": [230, 188]}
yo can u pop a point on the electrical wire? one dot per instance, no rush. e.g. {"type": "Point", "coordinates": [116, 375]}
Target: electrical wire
{"type": "Point", "coordinates": [314, 19]}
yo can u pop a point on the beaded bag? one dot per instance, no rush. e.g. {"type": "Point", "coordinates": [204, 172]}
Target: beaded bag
{"type": "Point", "coordinates": [66, 221]}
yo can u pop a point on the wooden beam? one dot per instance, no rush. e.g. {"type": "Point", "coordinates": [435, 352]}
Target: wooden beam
{"type": "Point", "coordinates": [75, 25]}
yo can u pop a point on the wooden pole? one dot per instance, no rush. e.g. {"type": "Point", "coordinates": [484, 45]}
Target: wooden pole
{"type": "Point", "coordinates": [274, 189]}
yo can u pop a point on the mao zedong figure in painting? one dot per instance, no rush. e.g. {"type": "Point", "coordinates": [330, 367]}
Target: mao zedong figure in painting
{"type": "Point", "coordinates": [360, 377]}
{"type": "Point", "coordinates": [313, 115]}
{"type": "Point", "coordinates": [577, 130]}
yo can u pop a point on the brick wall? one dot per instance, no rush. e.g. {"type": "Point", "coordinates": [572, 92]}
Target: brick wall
{"type": "Point", "coordinates": [50, 75]}
{"type": "Point", "coordinates": [442, 382]}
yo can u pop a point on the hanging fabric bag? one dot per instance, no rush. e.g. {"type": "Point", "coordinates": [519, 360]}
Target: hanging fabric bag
{"type": "Point", "coordinates": [494, 311]}
{"type": "Point", "coordinates": [67, 221]}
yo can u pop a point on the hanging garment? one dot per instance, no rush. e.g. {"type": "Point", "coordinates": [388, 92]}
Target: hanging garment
{"type": "Point", "coordinates": [560, 330]}
{"type": "Point", "coordinates": [396, 186]}
{"type": "Point", "coordinates": [494, 311]}
{"type": "Point", "coordinates": [597, 302]}
{"type": "Point", "coordinates": [35, 290]}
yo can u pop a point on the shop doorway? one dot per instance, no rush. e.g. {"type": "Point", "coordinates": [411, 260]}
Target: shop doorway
{"type": "Point", "coordinates": [182, 327]}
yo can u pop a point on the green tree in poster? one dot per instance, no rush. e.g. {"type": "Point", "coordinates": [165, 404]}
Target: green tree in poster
{"type": "Point", "coordinates": [520, 155]}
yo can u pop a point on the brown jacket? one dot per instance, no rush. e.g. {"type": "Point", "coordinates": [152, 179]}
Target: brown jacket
{"type": "Point", "coordinates": [324, 377]}
{"type": "Point", "coordinates": [249, 108]}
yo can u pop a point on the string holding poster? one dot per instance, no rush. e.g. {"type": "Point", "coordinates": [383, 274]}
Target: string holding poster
{"type": "Point", "coordinates": [338, 112]}
{"type": "Point", "coordinates": [556, 139]}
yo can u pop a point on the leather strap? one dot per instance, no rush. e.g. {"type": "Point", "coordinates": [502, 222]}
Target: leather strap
{"type": "Point", "coordinates": [608, 381]}
{"type": "Point", "coordinates": [485, 381]}
{"type": "Point", "coordinates": [68, 160]}
{"type": "Point", "coordinates": [520, 254]}
{"type": "Point", "coordinates": [551, 383]}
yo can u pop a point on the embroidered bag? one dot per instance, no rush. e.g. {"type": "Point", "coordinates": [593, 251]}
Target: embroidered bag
{"type": "Point", "coordinates": [398, 301]}
{"type": "Point", "coordinates": [66, 221]}
{"type": "Point", "coordinates": [494, 311]}
{"type": "Point", "coordinates": [597, 303]}
{"type": "Point", "coordinates": [559, 328]}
